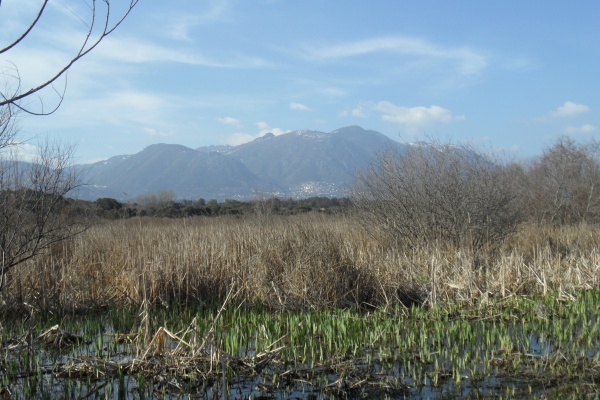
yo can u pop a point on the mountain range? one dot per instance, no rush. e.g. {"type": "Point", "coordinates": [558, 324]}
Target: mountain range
{"type": "Point", "coordinates": [296, 164]}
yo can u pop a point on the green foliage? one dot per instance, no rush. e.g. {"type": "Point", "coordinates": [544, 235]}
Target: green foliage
{"type": "Point", "coordinates": [109, 208]}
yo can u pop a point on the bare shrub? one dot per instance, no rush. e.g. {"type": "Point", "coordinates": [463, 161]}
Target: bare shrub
{"type": "Point", "coordinates": [34, 212]}
{"type": "Point", "coordinates": [439, 195]}
{"type": "Point", "coordinates": [564, 184]}
{"type": "Point", "coordinates": [156, 204]}
{"type": "Point", "coordinates": [265, 205]}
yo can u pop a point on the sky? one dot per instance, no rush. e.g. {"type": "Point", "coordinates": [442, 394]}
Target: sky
{"type": "Point", "coordinates": [511, 76]}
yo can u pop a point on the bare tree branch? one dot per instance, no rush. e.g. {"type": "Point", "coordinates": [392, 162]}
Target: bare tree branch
{"type": "Point", "coordinates": [27, 31]}
{"type": "Point", "coordinates": [87, 46]}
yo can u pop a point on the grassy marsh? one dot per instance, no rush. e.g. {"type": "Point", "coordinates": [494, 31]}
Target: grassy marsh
{"type": "Point", "coordinates": [313, 306]}
{"type": "Point", "coordinates": [296, 262]}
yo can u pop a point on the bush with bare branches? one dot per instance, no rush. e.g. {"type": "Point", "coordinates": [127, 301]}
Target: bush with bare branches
{"type": "Point", "coordinates": [564, 184]}
{"type": "Point", "coordinates": [439, 195]}
{"type": "Point", "coordinates": [34, 212]}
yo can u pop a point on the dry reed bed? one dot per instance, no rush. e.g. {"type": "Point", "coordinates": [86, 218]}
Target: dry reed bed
{"type": "Point", "coordinates": [293, 262]}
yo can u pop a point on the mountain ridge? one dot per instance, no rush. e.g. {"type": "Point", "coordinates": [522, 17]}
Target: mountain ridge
{"type": "Point", "coordinates": [300, 163]}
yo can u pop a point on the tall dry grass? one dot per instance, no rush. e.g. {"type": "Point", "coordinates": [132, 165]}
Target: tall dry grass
{"type": "Point", "coordinates": [300, 261]}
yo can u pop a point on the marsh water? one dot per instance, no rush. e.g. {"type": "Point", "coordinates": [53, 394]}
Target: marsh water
{"type": "Point", "coordinates": [515, 348]}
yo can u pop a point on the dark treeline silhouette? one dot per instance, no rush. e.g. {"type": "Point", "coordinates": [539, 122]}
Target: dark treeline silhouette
{"type": "Point", "coordinates": [162, 205]}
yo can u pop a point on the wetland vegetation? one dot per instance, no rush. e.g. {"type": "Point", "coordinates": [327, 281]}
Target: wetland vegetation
{"type": "Point", "coordinates": [304, 306]}
{"type": "Point", "coordinates": [455, 275]}
{"type": "Point", "coordinates": [445, 275]}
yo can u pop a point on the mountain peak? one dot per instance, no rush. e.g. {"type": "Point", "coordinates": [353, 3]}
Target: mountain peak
{"type": "Point", "coordinates": [301, 163]}
{"type": "Point", "coordinates": [267, 135]}
{"type": "Point", "coordinates": [165, 146]}
{"type": "Point", "coordinates": [351, 128]}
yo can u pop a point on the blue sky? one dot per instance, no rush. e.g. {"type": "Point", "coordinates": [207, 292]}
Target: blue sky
{"type": "Point", "coordinates": [507, 75]}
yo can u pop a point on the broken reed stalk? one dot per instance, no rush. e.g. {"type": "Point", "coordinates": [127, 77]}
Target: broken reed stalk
{"type": "Point", "coordinates": [210, 335]}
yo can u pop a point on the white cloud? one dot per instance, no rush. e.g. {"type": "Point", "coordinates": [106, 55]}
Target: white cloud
{"type": "Point", "coordinates": [158, 133]}
{"type": "Point", "coordinates": [470, 61]}
{"type": "Point", "coordinates": [262, 125]}
{"type": "Point", "coordinates": [216, 11]}
{"type": "Point", "coordinates": [142, 109]}
{"type": "Point", "coordinates": [413, 117]}
{"type": "Point", "coordinates": [586, 129]}
{"type": "Point", "coordinates": [570, 109]}
{"type": "Point", "coordinates": [239, 138]}
{"type": "Point", "coordinates": [21, 151]}
{"type": "Point", "coordinates": [58, 42]}
{"type": "Point", "coordinates": [359, 112]}
{"type": "Point", "coordinates": [299, 107]}
{"type": "Point", "coordinates": [230, 121]}
{"type": "Point", "coordinates": [180, 26]}
{"type": "Point", "coordinates": [331, 91]}
{"type": "Point", "coordinates": [136, 50]}
{"type": "Point", "coordinates": [277, 131]}
{"type": "Point", "coordinates": [140, 106]}
{"type": "Point", "coordinates": [130, 50]}
{"type": "Point", "coordinates": [31, 67]}
{"type": "Point", "coordinates": [265, 128]}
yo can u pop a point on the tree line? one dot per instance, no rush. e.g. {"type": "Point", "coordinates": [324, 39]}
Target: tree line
{"type": "Point", "coordinates": [164, 205]}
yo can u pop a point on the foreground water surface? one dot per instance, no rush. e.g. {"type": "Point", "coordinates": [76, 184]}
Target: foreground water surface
{"type": "Point", "coordinates": [516, 347]}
